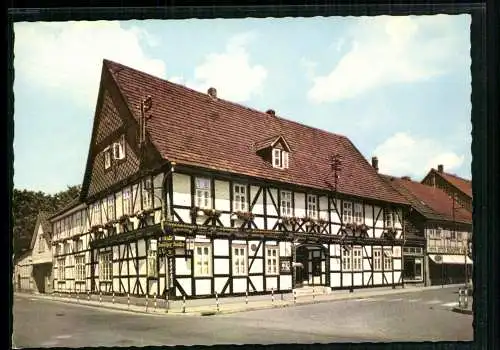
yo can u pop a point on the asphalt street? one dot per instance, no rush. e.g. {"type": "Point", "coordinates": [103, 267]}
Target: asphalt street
{"type": "Point", "coordinates": [420, 316]}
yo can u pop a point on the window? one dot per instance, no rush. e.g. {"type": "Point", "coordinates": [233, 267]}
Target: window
{"type": "Point", "coordinates": [239, 198]}
{"type": "Point", "coordinates": [78, 220]}
{"type": "Point", "coordinates": [97, 214]}
{"type": "Point", "coordinates": [346, 260]}
{"type": "Point", "coordinates": [453, 235]}
{"type": "Point", "coordinates": [107, 158]}
{"type": "Point", "coordinates": [58, 249]}
{"type": "Point", "coordinates": [272, 261]}
{"type": "Point", "coordinates": [66, 248]}
{"type": "Point", "coordinates": [202, 260]}
{"type": "Point", "coordinates": [41, 244]}
{"type": "Point", "coordinates": [147, 197]}
{"type": "Point", "coordinates": [119, 149]}
{"type": "Point", "coordinates": [152, 259]}
{"type": "Point", "coordinates": [127, 202]}
{"type": "Point", "coordinates": [203, 193]}
{"type": "Point", "coordinates": [388, 219]}
{"type": "Point", "coordinates": [286, 203]}
{"type": "Point", "coordinates": [280, 159]}
{"type": "Point", "coordinates": [78, 246]}
{"type": "Point", "coordinates": [377, 259]}
{"type": "Point", "coordinates": [105, 266]}
{"type": "Point", "coordinates": [387, 259]}
{"type": "Point", "coordinates": [239, 261]}
{"type": "Point", "coordinates": [357, 259]}
{"type": "Point", "coordinates": [61, 269]}
{"type": "Point", "coordinates": [285, 159]}
{"type": "Point", "coordinates": [358, 213]}
{"type": "Point", "coordinates": [312, 210]}
{"type": "Point", "coordinates": [347, 213]}
{"type": "Point", "coordinates": [111, 208]}
{"type": "Point", "coordinates": [80, 268]}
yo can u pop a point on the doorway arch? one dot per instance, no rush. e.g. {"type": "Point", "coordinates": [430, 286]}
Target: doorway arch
{"type": "Point", "coordinates": [311, 265]}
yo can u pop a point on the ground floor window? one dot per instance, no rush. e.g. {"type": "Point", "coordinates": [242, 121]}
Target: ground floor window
{"type": "Point", "coordinates": [61, 269]}
{"type": "Point", "coordinates": [272, 261]}
{"type": "Point", "coordinates": [346, 260]}
{"type": "Point", "coordinates": [80, 268]}
{"type": "Point", "coordinates": [357, 259]}
{"type": "Point", "coordinates": [413, 268]}
{"type": "Point", "coordinates": [203, 261]}
{"type": "Point", "coordinates": [239, 261]}
{"type": "Point", "coordinates": [105, 266]}
{"type": "Point", "coordinates": [377, 260]}
{"type": "Point", "coordinates": [387, 259]}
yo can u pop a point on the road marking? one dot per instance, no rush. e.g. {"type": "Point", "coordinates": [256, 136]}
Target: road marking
{"type": "Point", "coordinates": [414, 300]}
{"type": "Point", "coordinates": [450, 304]}
{"type": "Point", "coordinates": [433, 302]}
{"type": "Point", "coordinates": [64, 336]}
{"type": "Point", "coordinates": [366, 299]}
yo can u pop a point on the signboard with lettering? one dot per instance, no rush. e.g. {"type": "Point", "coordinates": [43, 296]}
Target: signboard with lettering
{"type": "Point", "coordinates": [284, 266]}
{"type": "Point", "coordinates": [172, 244]}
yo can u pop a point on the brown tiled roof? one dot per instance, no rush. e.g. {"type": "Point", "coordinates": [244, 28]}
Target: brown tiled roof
{"type": "Point", "coordinates": [43, 220]}
{"type": "Point", "coordinates": [191, 128]}
{"type": "Point", "coordinates": [431, 202]}
{"type": "Point", "coordinates": [462, 184]}
{"type": "Point", "coordinates": [70, 205]}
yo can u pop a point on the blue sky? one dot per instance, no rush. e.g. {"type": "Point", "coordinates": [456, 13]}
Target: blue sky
{"type": "Point", "coordinates": [398, 87]}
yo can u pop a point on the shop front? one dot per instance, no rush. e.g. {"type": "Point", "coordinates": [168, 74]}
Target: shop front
{"type": "Point", "coordinates": [413, 258]}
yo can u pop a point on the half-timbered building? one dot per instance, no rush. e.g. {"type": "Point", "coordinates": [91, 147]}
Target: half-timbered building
{"type": "Point", "coordinates": [41, 253]}
{"type": "Point", "coordinates": [189, 195]}
{"type": "Point", "coordinates": [447, 229]}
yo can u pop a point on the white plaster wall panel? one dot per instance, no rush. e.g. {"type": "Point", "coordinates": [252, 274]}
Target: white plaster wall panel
{"type": "Point", "coordinates": [271, 222]}
{"type": "Point", "coordinates": [157, 216]}
{"type": "Point", "coordinates": [346, 280]}
{"type": "Point", "coordinates": [258, 208]}
{"type": "Point", "coordinates": [271, 210]}
{"type": "Point", "coordinates": [323, 207]}
{"type": "Point", "coordinates": [182, 266]}
{"type": "Point", "coordinates": [143, 283]}
{"type": "Point", "coordinates": [396, 251]}
{"type": "Point", "coordinates": [272, 282]}
{"type": "Point", "coordinates": [272, 244]}
{"type": "Point", "coordinates": [221, 247]}
{"type": "Point", "coordinates": [200, 239]}
{"type": "Point", "coordinates": [257, 282]}
{"type": "Point", "coordinates": [201, 219]}
{"type": "Point", "coordinates": [239, 284]}
{"type": "Point", "coordinates": [132, 250]}
{"type": "Point", "coordinates": [142, 266]}
{"type": "Point", "coordinates": [366, 264]}
{"type": "Point", "coordinates": [377, 278]}
{"type": "Point", "coordinates": [185, 284]}
{"type": "Point", "coordinates": [162, 288]}
{"type": "Point", "coordinates": [335, 229]}
{"type": "Point", "coordinates": [203, 287]}
{"type": "Point", "coordinates": [116, 285]}
{"type": "Point", "coordinates": [116, 253]}
{"type": "Point", "coordinates": [323, 267]}
{"type": "Point", "coordinates": [334, 249]}
{"type": "Point", "coordinates": [256, 266]}
{"type": "Point", "coordinates": [388, 277]}
{"type": "Point", "coordinates": [124, 285]}
{"type": "Point", "coordinates": [182, 189]}
{"type": "Point", "coordinates": [123, 250]}
{"type": "Point", "coordinates": [397, 264]}
{"type": "Point", "coordinates": [116, 268]}
{"type": "Point", "coordinates": [225, 219]}
{"type": "Point", "coordinates": [157, 183]}
{"type": "Point", "coordinates": [366, 276]}
{"type": "Point", "coordinates": [252, 252]}
{"type": "Point", "coordinates": [379, 217]}
{"type": "Point", "coordinates": [358, 279]}
{"type": "Point", "coordinates": [161, 264]}
{"type": "Point", "coordinates": [238, 242]}
{"type": "Point", "coordinates": [285, 282]}
{"type": "Point", "coordinates": [219, 283]}
{"type": "Point", "coordinates": [334, 264]}
{"type": "Point", "coordinates": [136, 198]}
{"type": "Point", "coordinates": [183, 214]}
{"type": "Point", "coordinates": [334, 208]}
{"type": "Point", "coordinates": [153, 289]}
{"type": "Point", "coordinates": [284, 249]}
{"type": "Point", "coordinates": [221, 266]}
{"type": "Point", "coordinates": [141, 247]}
{"type": "Point", "coordinates": [131, 268]}
{"type": "Point", "coordinates": [300, 205]}
{"type": "Point", "coordinates": [378, 232]}
{"type": "Point", "coordinates": [398, 233]}
{"type": "Point", "coordinates": [221, 195]}
{"type": "Point", "coordinates": [369, 215]}
{"type": "Point", "coordinates": [259, 221]}
{"type": "Point", "coordinates": [398, 217]}
{"type": "Point", "coordinates": [397, 276]}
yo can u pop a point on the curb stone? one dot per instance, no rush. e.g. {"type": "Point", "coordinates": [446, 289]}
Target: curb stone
{"type": "Point", "coordinates": [462, 311]}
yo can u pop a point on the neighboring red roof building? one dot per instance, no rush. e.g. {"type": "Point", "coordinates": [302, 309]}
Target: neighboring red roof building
{"type": "Point", "coordinates": [452, 185]}
{"type": "Point", "coordinates": [200, 129]}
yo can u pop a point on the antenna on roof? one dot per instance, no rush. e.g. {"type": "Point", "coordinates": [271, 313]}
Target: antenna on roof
{"type": "Point", "coordinates": [146, 105]}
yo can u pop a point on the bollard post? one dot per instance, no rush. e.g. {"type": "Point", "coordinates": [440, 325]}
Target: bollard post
{"type": "Point", "coordinates": [272, 295]}
{"type": "Point", "coordinates": [100, 296]}
{"type": "Point", "coordinates": [155, 301]}
{"type": "Point", "coordinates": [294, 297]}
{"type": "Point", "coordinates": [128, 300]}
{"type": "Point", "coordinates": [246, 297]}
{"type": "Point", "coordinates": [183, 304]}
{"type": "Point", "coordinates": [113, 299]}
{"type": "Point", "coordinates": [217, 300]}
{"type": "Point", "coordinates": [88, 295]}
{"type": "Point", "coordinates": [166, 302]}
{"type": "Point", "coordinates": [147, 301]}
{"type": "Point", "coordinates": [78, 298]}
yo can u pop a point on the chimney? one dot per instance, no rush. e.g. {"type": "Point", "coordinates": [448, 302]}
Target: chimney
{"type": "Point", "coordinates": [212, 92]}
{"type": "Point", "coordinates": [407, 178]}
{"type": "Point", "coordinates": [271, 112]}
{"type": "Point", "coordinates": [440, 168]}
{"type": "Point", "coordinates": [375, 163]}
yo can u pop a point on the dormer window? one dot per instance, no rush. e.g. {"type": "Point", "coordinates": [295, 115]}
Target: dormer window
{"type": "Point", "coordinates": [107, 158]}
{"type": "Point", "coordinates": [280, 158]}
{"type": "Point", "coordinates": [119, 149]}
{"type": "Point", "coordinates": [274, 150]}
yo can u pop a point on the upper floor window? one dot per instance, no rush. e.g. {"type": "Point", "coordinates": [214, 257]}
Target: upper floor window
{"type": "Point", "coordinates": [203, 199]}
{"type": "Point", "coordinates": [280, 158]}
{"type": "Point", "coordinates": [111, 208]}
{"type": "Point", "coordinates": [147, 189]}
{"type": "Point", "coordinates": [388, 218]}
{"type": "Point", "coordinates": [358, 213]}
{"type": "Point", "coordinates": [286, 203]}
{"type": "Point", "coordinates": [97, 213]}
{"type": "Point", "coordinates": [107, 157]}
{"type": "Point", "coordinates": [312, 208]}
{"type": "Point", "coordinates": [347, 212]}
{"type": "Point", "coordinates": [127, 202]}
{"type": "Point", "coordinates": [119, 149]}
{"type": "Point", "coordinates": [239, 197]}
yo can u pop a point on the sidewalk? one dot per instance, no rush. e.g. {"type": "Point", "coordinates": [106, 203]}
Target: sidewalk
{"type": "Point", "coordinates": [465, 310]}
{"type": "Point", "coordinates": [226, 305]}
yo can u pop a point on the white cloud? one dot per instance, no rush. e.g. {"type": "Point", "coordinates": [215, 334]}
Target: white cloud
{"type": "Point", "coordinates": [393, 49]}
{"type": "Point", "coordinates": [402, 154]}
{"type": "Point", "coordinates": [67, 57]}
{"type": "Point", "coordinates": [230, 72]}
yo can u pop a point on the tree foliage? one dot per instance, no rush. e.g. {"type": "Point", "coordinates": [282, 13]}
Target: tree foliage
{"type": "Point", "coordinates": [25, 208]}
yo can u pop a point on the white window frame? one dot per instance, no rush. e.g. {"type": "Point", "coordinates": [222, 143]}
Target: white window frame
{"type": "Point", "coordinates": [347, 212]}
{"type": "Point", "coordinates": [80, 268]}
{"type": "Point", "coordinates": [387, 256]}
{"type": "Point", "coordinates": [312, 206]}
{"type": "Point", "coordinates": [239, 197]}
{"type": "Point", "coordinates": [127, 201]}
{"type": "Point", "coordinates": [78, 221]}
{"type": "Point", "coordinates": [119, 149]}
{"type": "Point", "coordinates": [105, 266]}
{"type": "Point", "coordinates": [203, 196]}
{"type": "Point", "coordinates": [240, 260]}
{"type": "Point", "coordinates": [357, 259]}
{"type": "Point", "coordinates": [346, 259]}
{"type": "Point", "coordinates": [97, 213]}
{"type": "Point", "coordinates": [152, 260]}
{"type": "Point", "coordinates": [377, 259]}
{"type": "Point", "coordinates": [277, 158]}
{"type": "Point", "coordinates": [285, 159]}
{"type": "Point", "coordinates": [147, 194]}
{"type": "Point", "coordinates": [358, 213]}
{"type": "Point", "coordinates": [286, 203]}
{"type": "Point", "coordinates": [388, 214]}
{"type": "Point", "coordinates": [61, 269]}
{"type": "Point", "coordinates": [107, 158]}
{"type": "Point", "coordinates": [272, 260]}
{"type": "Point", "coordinates": [111, 207]}
{"type": "Point", "coordinates": [202, 260]}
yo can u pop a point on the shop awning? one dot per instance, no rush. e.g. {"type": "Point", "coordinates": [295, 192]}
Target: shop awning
{"type": "Point", "coordinates": [450, 259]}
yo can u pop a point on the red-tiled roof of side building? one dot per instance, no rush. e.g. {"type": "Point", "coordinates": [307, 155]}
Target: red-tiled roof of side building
{"type": "Point", "coordinates": [193, 128]}
{"type": "Point", "coordinates": [462, 184]}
